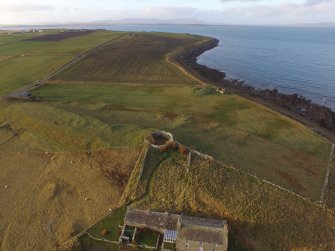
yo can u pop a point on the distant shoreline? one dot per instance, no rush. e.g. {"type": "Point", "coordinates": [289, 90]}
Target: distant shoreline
{"type": "Point", "coordinates": [321, 119]}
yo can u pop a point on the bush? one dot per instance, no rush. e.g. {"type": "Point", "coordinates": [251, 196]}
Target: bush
{"type": "Point", "coordinates": [183, 149]}
{"type": "Point", "coordinates": [172, 145]}
{"type": "Point", "coordinates": [104, 232]}
{"type": "Point", "coordinates": [163, 148]}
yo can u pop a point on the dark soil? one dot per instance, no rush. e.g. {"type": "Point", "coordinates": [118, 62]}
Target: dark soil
{"type": "Point", "coordinates": [60, 36]}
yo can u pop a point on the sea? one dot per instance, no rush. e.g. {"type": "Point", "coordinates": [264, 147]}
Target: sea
{"type": "Point", "coordinates": [291, 59]}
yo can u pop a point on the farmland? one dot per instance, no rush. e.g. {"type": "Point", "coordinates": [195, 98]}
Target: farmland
{"type": "Point", "coordinates": [55, 195]}
{"type": "Point", "coordinates": [228, 127]}
{"type": "Point", "coordinates": [60, 36]}
{"type": "Point", "coordinates": [263, 214]}
{"type": "Point", "coordinates": [27, 61]}
{"type": "Point", "coordinates": [260, 216]}
{"type": "Point", "coordinates": [138, 58]}
{"type": "Point", "coordinates": [86, 133]}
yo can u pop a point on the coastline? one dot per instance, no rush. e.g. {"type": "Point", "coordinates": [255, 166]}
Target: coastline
{"type": "Point", "coordinates": [319, 118]}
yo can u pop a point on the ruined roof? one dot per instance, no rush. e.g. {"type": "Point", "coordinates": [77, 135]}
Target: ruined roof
{"type": "Point", "coordinates": [204, 222]}
{"type": "Point", "coordinates": [202, 235]}
{"type": "Point", "coordinates": [193, 232]}
{"type": "Point", "coordinates": [196, 246]}
{"type": "Point", "coordinates": [152, 219]}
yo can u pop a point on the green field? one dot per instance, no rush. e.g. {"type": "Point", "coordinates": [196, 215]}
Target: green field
{"type": "Point", "coordinates": [138, 58]}
{"type": "Point", "coordinates": [105, 113]}
{"type": "Point", "coordinates": [119, 92]}
{"type": "Point", "coordinates": [28, 61]}
{"type": "Point", "coordinates": [260, 216]}
{"type": "Point", "coordinates": [230, 128]}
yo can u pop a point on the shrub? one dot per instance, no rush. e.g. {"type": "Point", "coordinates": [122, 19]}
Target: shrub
{"type": "Point", "coordinates": [172, 145]}
{"type": "Point", "coordinates": [163, 148]}
{"type": "Point", "coordinates": [183, 149]}
{"type": "Point", "coordinates": [104, 232]}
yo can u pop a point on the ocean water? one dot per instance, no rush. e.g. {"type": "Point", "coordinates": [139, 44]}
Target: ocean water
{"type": "Point", "coordinates": [292, 59]}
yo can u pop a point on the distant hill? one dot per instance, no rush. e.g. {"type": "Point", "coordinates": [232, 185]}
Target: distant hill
{"type": "Point", "coordinates": [151, 21]}
{"type": "Point", "coordinates": [185, 21]}
{"type": "Point", "coordinates": [329, 24]}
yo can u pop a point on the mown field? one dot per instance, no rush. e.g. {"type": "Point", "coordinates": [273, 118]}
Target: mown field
{"type": "Point", "coordinates": [27, 61]}
{"type": "Point", "coordinates": [138, 58]}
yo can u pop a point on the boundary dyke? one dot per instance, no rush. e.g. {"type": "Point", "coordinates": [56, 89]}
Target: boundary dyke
{"type": "Point", "coordinates": [319, 118]}
{"type": "Point", "coordinates": [320, 203]}
{"type": "Point", "coordinates": [142, 158]}
{"type": "Point", "coordinates": [326, 180]}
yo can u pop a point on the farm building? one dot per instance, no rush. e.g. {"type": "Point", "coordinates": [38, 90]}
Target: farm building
{"type": "Point", "coordinates": [185, 232]}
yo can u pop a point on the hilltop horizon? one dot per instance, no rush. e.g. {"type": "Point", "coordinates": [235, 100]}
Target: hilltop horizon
{"type": "Point", "coordinates": [230, 12]}
{"type": "Point", "coordinates": [159, 21]}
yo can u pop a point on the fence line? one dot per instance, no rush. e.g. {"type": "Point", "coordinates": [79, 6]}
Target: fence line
{"type": "Point", "coordinates": [208, 157]}
{"type": "Point", "coordinates": [189, 159]}
{"type": "Point", "coordinates": [325, 183]}
{"type": "Point", "coordinates": [308, 200]}
{"type": "Point", "coordinates": [205, 156]}
{"type": "Point", "coordinates": [143, 162]}
{"type": "Point", "coordinates": [101, 239]}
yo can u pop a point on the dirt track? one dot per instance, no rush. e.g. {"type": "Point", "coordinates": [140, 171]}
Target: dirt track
{"type": "Point", "coordinates": [47, 198]}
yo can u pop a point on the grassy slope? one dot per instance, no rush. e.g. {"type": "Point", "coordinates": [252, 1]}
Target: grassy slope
{"type": "Point", "coordinates": [19, 71]}
{"type": "Point", "coordinates": [86, 116]}
{"type": "Point", "coordinates": [228, 127]}
{"type": "Point", "coordinates": [45, 203]}
{"type": "Point", "coordinates": [103, 115]}
{"type": "Point", "coordinates": [36, 127]}
{"type": "Point", "coordinates": [32, 60]}
{"type": "Point", "coordinates": [261, 217]}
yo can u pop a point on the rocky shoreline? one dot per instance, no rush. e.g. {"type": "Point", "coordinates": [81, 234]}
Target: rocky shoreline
{"type": "Point", "coordinates": [320, 118]}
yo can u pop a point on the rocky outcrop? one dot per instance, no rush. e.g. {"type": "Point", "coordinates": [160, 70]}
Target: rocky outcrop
{"type": "Point", "coordinates": [294, 103]}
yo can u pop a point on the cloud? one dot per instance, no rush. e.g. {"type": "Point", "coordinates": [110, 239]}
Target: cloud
{"type": "Point", "coordinates": [246, 12]}
{"type": "Point", "coordinates": [24, 7]}
{"type": "Point", "coordinates": [307, 2]}
{"type": "Point", "coordinates": [315, 2]}
{"type": "Point", "coordinates": [225, 1]}
{"type": "Point", "coordinates": [168, 12]}
{"type": "Point", "coordinates": [282, 13]}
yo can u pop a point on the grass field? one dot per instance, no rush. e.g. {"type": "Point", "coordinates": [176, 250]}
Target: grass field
{"type": "Point", "coordinates": [228, 127]}
{"type": "Point", "coordinates": [112, 99]}
{"type": "Point", "coordinates": [27, 61]}
{"type": "Point", "coordinates": [260, 216]}
{"type": "Point", "coordinates": [53, 196]}
{"type": "Point", "coordinates": [20, 71]}
{"type": "Point", "coordinates": [138, 58]}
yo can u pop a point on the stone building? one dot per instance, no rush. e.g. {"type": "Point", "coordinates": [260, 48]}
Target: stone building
{"type": "Point", "coordinates": [186, 232]}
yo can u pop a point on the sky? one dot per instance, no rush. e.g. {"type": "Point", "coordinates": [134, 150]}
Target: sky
{"type": "Point", "coordinates": [252, 12]}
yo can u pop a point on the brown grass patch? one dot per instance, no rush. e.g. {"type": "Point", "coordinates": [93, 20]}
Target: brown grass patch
{"type": "Point", "coordinates": [293, 181]}
{"type": "Point", "coordinates": [53, 196]}
{"type": "Point", "coordinates": [60, 36]}
{"type": "Point", "coordinates": [183, 149]}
